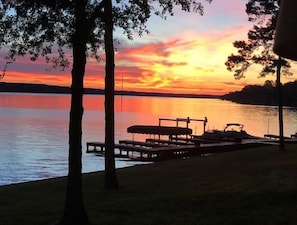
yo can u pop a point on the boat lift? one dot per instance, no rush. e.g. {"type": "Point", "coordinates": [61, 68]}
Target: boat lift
{"type": "Point", "coordinates": [185, 120]}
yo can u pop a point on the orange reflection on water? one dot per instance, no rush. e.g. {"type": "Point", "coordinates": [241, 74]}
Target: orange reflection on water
{"type": "Point", "coordinates": [93, 102]}
{"type": "Point", "coordinates": [130, 110]}
{"type": "Point", "coordinates": [172, 107]}
{"type": "Point", "coordinates": [35, 101]}
{"type": "Point", "coordinates": [148, 110]}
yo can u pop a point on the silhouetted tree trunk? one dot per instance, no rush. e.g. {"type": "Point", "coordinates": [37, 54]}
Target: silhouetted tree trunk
{"type": "Point", "coordinates": [111, 181]}
{"type": "Point", "coordinates": [74, 211]}
{"type": "Point", "coordinates": [280, 106]}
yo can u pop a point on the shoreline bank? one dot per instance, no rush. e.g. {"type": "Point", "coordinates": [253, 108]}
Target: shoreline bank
{"type": "Point", "coordinates": [207, 190]}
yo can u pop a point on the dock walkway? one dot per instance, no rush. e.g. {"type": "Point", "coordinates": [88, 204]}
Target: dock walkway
{"type": "Point", "coordinates": [174, 141]}
{"type": "Point", "coordinates": [146, 151]}
{"type": "Point", "coordinates": [274, 137]}
{"type": "Point", "coordinates": [140, 152]}
{"type": "Point", "coordinates": [139, 143]}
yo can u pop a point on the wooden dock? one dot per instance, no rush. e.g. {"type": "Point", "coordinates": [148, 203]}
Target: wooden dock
{"type": "Point", "coordinates": [152, 151]}
{"type": "Point", "coordinates": [141, 151]}
{"type": "Point", "coordinates": [274, 137]}
{"type": "Point", "coordinates": [179, 142]}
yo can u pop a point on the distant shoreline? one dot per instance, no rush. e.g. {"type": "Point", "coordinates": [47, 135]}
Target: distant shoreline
{"type": "Point", "coordinates": [267, 94]}
{"type": "Point", "coordinates": [52, 89]}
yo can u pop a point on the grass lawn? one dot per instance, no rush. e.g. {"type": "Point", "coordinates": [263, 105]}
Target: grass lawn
{"type": "Point", "coordinates": [255, 186]}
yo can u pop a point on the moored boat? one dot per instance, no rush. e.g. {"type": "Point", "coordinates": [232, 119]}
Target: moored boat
{"type": "Point", "coordinates": [231, 132]}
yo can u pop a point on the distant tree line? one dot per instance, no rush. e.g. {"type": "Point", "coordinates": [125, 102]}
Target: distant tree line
{"type": "Point", "coordinates": [264, 95]}
{"type": "Point", "coordinates": [53, 89]}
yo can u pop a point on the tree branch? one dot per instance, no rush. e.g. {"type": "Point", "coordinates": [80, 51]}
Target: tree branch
{"type": "Point", "coordinates": [96, 14]}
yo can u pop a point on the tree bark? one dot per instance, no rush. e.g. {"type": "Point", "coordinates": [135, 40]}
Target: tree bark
{"type": "Point", "coordinates": [111, 181]}
{"type": "Point", "coordinates": [280, 106]}
{"type": "Point", "coordinates": [74, 211]}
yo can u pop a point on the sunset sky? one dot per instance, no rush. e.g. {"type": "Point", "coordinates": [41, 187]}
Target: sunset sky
{"type": "Point", "coordinates": [183, 54]}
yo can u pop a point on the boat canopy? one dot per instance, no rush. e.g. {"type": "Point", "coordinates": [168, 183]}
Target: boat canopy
{"type": "Point", "coordinates": [160, 130]}
{"type": "Point", "coordinates": [240, 126]}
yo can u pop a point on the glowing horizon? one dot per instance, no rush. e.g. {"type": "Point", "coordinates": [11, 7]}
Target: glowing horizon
{"type": "Point", "coordinates": [183, 54]}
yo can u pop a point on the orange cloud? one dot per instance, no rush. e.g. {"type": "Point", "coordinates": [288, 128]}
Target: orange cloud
{"type": "Point", "coordinates": [191, 62]}
{"type": "Point", "coordinates": [182, 63]}
{"type": "Point", "coordinates": [183, 54]}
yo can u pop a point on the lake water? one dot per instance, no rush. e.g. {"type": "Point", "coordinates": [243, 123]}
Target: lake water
{"type": "Point", "coordinates": [34, 127]}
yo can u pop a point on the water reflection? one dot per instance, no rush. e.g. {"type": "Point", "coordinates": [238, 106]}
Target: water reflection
{"type": "Point", "coordinates": [34, 128]}
{"type": "Point", "coordinates": [258, 120]}
{"type": "Point", "coordinates": [34, 101]}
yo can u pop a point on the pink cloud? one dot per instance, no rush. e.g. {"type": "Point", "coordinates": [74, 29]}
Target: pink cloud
{"type": "Point", "coordinates": [185, 53]}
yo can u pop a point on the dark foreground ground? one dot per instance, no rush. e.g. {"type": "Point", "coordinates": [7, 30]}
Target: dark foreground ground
{"type": "Point", "coordinates": [255, 186]}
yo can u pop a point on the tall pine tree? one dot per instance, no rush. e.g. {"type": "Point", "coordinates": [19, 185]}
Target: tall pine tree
{"type": "Point", "coordinates": [258, 49]}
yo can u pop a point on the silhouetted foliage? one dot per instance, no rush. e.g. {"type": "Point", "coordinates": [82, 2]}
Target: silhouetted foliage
{"type": "Point", "coordinates": [265, 95]}
{"type": "Point", "coordinates": [257, 49]}
{"type": "Point", "coordinates": [50, 29]}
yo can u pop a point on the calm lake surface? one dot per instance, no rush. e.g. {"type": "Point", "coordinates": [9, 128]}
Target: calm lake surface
{"type": "Point", "coordinates": [34, 127]}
